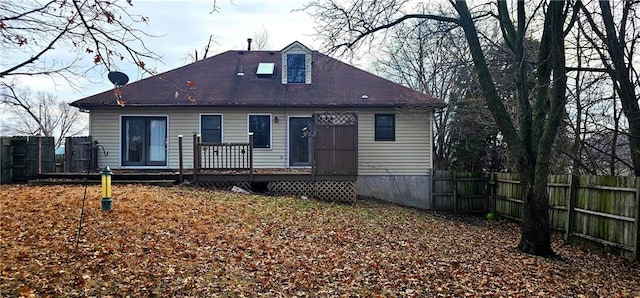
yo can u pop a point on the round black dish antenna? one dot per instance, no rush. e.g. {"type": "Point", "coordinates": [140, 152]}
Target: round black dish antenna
{"type": "Point", "coordinates": [118, 78]}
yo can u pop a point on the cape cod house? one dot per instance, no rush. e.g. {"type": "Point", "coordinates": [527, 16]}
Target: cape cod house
{"type": "Point", "coordinates": [280, 98]}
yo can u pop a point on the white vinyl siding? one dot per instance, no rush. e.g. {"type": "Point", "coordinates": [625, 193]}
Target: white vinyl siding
{"type": "Point", "coordinates": [409, 154]}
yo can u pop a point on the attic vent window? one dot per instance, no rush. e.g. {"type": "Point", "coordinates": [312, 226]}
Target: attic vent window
{"type": "Point", "coordinates": [265, 69]}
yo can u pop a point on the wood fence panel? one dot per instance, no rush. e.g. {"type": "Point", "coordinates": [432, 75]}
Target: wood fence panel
{"type": "Point", "coordinates": [335, 143]}
{"type": "Point", "coordinates": [606, 209]}
{"type": "Point", "coordinates": [508, 202]}
{"type": "Point", "coordinates": [597, 208]}
{"type": "Point", "coordinates": [442, 195]}
{"type": "Point", "coordinates": [455, 191]}
{"type": "Point", "coordinates": [471, 192]}
{"type": "Point", "coordinates": [6, 160]}
{"type": "Point", "coordinates": [80, 155]}
{"type": "Point", "coordinates": [24, 157]}
{"type": "Point", "coordinates": [558, 191]}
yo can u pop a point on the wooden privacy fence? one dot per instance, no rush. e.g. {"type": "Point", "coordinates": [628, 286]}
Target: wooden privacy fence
{"type": "Point", "coordinates": [335, 143]}
{"type": "Point", "coordinates": [455, 191]}
{"type": "Point", "coordinates": [80, 154]}
{"type": "Point", "coordinates": [23, 158]}
{"type": "Point", "coordinates": [597, 208]}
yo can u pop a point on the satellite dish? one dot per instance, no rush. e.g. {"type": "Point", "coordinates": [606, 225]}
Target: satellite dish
{"type": "Point", "coordinates": [118, 78]}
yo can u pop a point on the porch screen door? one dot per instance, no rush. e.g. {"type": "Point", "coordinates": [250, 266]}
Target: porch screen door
{"type": "Point", "coordinates": [299, 141]}
{"type": "Point", "coordinates": [144, 141]}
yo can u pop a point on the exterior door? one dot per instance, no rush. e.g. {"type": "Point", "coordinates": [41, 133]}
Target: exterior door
{"type": "Point", "coordinates": [300, 141]}
{"type": "Point", "coordinates": [144, 141]}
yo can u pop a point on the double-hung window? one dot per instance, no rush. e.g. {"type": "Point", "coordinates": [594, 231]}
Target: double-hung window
{"type": "Point", "coordinates": [296, 68]}
{"type": "Point", "coordinates": [211, 128]}
{"type": "Point", "coordinates": [260, 126]}
{"type": "Point", "coordinates": [385, 126]}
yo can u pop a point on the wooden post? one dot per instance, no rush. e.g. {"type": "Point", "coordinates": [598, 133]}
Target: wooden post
{"type": "Point", "coordinates": [93, 157]}
{"type": "Point", "coordinates": [251, 156]}
{"type": "Point", "coordinates": [196, 160]}
{"type": "Point", "coordinates": [574, 183]}
{"type": "Point", "coordinates": [636, 248]}
{"type": "Point", "coordinates": [492, 192]}
{"type": "Point", "coordinates": [180, 159]}
{"type": "Point", "coordinates": [68, 152]}
{"type": "Point", "coordinates": [39, 156]}
{"type": "Point", "coordinates": [455, 191]}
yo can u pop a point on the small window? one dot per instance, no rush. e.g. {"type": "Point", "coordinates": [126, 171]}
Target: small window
{"type": "Point", "coordinates": [260, 125]}
{"type": "Point", "coordinates": [295, 68]}
{"type": "Point", "coordinates": [385, 127]}
{"type": "Point", "coordinates": [211, 128]}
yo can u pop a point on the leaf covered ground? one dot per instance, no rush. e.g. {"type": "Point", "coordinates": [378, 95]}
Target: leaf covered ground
{"type": "Point", "coordinates": [193, 242]}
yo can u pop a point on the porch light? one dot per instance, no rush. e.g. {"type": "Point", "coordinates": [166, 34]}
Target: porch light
{"type": "Point", "coordinates": [106, 188]}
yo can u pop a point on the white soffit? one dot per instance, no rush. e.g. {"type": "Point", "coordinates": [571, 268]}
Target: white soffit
{"type": "Point", "coordinates": [265, 68]}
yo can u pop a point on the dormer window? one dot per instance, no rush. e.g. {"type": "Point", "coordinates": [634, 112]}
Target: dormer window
{"type": "Point", "coordinates": [296, 68]}
{"type": "Point", "coordinates": [296, 64]}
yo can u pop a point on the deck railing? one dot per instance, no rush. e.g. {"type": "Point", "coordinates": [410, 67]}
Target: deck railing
{"type": "Point", "coordinates": [222, 156]}
{"type": "Point", "coordinates": [229, 156]}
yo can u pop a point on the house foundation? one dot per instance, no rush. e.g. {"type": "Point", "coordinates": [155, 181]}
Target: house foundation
{"type": "Point", "coordinates": [413, 191]}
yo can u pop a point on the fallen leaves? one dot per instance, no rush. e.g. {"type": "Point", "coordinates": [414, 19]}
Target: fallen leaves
{"type": "Point", "coordinates": [190, 242]}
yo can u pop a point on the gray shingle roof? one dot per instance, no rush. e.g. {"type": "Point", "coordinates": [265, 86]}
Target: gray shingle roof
{"type": "Point", "coordinates": [214, 82]}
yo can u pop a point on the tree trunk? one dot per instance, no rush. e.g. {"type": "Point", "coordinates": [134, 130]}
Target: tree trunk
{"type": "Point", "coordinates": [535, 235]}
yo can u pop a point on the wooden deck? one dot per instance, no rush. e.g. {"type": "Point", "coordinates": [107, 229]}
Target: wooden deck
{"type": "Point", "coordinates": [233, 162]}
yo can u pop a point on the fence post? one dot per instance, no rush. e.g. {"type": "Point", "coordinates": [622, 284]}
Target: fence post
{"type": "Point", "coordinates": [39, 156]}
{"type": "Point", "coordinates": [495, 192]}
{"type": "Point", "coordinates": [574, 183]}
{"type": "Point", "coordinates": [180, 159]}
{"type": "Point", "coordinates": [487, 193]}
{"type": "Point", "coordinates": [454, 184]}
{"type": "Point", "coordinates": [636, 248]}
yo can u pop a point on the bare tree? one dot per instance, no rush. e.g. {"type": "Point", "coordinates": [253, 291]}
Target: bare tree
{"type": "Point", "coordinates": [529, 136]}
{"type": "Point", "coordinates": [40, 114]}
{"type": "Point", "coordinates": [261, 39]}
{"type": "Point", "coordinates": [412, 56]}
{"type": "Point", "coordinates": [616, 46]}
{"type": "Point", "coordinates": [102, 29]}
{"type": "Point", "coordinates": [195, 56]}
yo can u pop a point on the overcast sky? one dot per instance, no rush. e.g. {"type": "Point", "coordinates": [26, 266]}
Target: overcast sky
{"type": "Point", "coordinates": [182, 26]}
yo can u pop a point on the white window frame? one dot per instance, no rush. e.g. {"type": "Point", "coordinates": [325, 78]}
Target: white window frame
{"type": "Point", "coordinates": [288, 142]}
{"type": "Point", "coordinates": [168, 141]}
{"type": "Point", "coordinates": [270, 130]}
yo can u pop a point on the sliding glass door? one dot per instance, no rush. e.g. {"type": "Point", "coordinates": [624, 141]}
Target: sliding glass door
{"type": "Point", "coordinates": [144, 141]}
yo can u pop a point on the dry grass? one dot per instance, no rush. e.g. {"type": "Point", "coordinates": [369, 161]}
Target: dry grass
{"type": "Point", "coordinates": [189, 242]}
